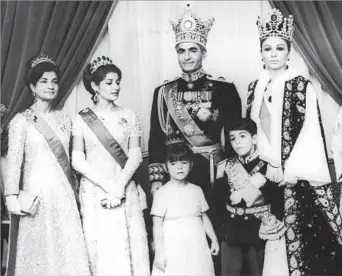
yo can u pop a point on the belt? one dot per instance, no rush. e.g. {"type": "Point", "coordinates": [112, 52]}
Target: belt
{"type": "Point", "coordinates": [210, 150]}
{"type": "Point", "coordinates": [248, 211]}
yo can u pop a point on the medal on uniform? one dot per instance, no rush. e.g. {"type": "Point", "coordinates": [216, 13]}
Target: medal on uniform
{"type": "Point", "coordinates": [190, 85]}
{"type": "Point", "coordinates": [189, 130]}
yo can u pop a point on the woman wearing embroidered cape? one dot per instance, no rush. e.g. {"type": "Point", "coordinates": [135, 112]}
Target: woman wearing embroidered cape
{"type": "Point", "coordinates": [106, 152]}
{"type": "Point", "coordinates": [51, 240]}
{"type": "Point", "coordinates": [336, 148]}
{"type": "Point", "coordinates": [290, 135]}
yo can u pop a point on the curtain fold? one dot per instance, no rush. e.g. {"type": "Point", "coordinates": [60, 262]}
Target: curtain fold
{"type": "Point", "coordinates": [318, 35]}
{"type": "Point", "coordinates": [64, 30]}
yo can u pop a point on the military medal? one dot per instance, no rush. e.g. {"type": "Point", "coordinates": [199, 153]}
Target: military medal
{"type": "Point", "coordinates": [189, 130]}
{"type": "Point", "coordinates": [190, 85]}
{"type": "Point", "coordinates": [204, 114]}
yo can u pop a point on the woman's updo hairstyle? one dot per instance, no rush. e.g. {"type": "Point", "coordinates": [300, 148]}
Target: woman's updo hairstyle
{"type": "Point", "coordinates": [97, 70]}
{"type": "Point", "coordinates": [37, 66]}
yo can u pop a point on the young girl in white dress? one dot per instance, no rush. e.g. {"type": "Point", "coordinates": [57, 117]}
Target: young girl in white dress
{"type": "Point", "coordinates": [180, 222]}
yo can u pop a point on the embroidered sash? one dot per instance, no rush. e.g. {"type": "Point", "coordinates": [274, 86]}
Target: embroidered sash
{"type": "Point", "coordinates": [183, 119]}
{"type": "Point", "coordinates": [254, 196]}
{"type": "Point", "coordinates": [56, 147]}
{"type": "Point", "coordinates": [190, 130]}
{"type": "Point", "coordinates": [104, 136]}
{"type": "Point", "coordinates": [63, 160]}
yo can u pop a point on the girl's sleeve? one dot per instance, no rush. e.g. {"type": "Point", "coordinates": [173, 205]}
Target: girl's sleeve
{"type": "Point", "coordinates": [159, 204]}
{"type": "Point", "coordinates": [203, 202]}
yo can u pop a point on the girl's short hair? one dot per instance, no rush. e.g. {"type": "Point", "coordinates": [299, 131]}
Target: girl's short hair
{"type": "Point", "coordinates": [177, 150]}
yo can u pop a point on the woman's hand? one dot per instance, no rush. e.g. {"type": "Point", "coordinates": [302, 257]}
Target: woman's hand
{"type": "Point", "coordinates": [214, 248]}
{"type": "Point", "coordinates": [111, 201]}
{"type": "Point", "coordinates": [160, 261]}
{"type": "Point", "coordinates": [13, 205]}
{"type": "Point", "coordinates": [289, 180]}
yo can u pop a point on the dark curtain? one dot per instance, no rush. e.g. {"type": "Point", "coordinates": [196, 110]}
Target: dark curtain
{"type": "Point", "coordinates": [64, 30]}
{"type": "Point", "coordinates": [318, 35]}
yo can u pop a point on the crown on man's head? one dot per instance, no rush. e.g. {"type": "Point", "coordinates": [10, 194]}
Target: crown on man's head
{"type": "Point", "coordinates": [190, 28]}
{"type": "Point", "coordinates": [173, 139]}
{"type": "Point", "coordinates": [41, 58]}
{"type": "Point", "coordinates": [274, 24]}
{"type": "Point", "coordinates": [99, 61]}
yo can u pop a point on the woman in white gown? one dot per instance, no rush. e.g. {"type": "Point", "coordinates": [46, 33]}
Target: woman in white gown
{"type": "Point", "coordinates": [51, 240]}
{"type": "Point", "coordinates": [106, 152]}
{"type": "Point", "coordinates": [290, 136]}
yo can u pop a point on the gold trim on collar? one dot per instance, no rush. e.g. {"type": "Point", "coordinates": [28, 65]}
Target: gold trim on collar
{"type": "Point", "coordinates": [193, 76]}
{"type": "Point", "coordinates": [249, 158]}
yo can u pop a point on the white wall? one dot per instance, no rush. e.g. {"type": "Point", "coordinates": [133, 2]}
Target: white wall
{"type": "Point", "coordinates": [140, 40]}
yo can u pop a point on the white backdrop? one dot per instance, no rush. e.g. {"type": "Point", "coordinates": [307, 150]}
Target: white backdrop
{"type": "Point", "coordinates": [140, 40]}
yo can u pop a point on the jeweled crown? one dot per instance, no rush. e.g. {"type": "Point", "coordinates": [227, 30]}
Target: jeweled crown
{"type": "Point", "coordinates": [41, 58]}
{"type": "Point", "coordinates": [173, 139]}
{"type": "Point", "coordinates": [99, 61]}
{"type": "Point", "coordinates": [191, 28]}
{"type": "Point", "coordinates": [274, 24]}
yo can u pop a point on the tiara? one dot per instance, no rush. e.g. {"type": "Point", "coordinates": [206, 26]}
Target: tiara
{"type": "Point", "coordinates": [173, 139]}
{"type": "Point", "coordinates": [276, 25]}
{"type": "Point", "coordinates": [41, 58]}
{"type": "Point", "coordinates": [190, 28]}
{"type": "Point", "coordinates": [99, 61]}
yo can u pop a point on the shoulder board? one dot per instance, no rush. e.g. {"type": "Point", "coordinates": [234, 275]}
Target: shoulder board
{"type": "Point", "coordinates": [220, 79]}
{"type": "Point", "coordinates": [169, 81]}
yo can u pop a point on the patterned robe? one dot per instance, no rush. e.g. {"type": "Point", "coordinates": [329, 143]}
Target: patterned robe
{"type": "Point", "coordinates": [296, 143]}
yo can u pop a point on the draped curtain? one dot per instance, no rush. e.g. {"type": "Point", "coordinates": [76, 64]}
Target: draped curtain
{"type": "Point", "coordinates": [64, 30]}
{"type": "Point", "coordinates": [318, 35]}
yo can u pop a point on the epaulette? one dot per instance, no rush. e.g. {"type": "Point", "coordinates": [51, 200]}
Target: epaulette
{"type": "Point", "coordinates": [222, 79]}
{"type": "Point", "coordinates": [169, 81]}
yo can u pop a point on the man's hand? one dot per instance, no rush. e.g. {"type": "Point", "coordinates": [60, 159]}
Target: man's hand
{"type": "Point", "coordinates": [289, 180]}
{"type": "Point", "coordinates": [155, 187]}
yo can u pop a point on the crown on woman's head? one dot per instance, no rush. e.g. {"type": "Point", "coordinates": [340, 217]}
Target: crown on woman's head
{"type": "Point", "coordinates": [190, 28]}
{"type": "Point", "coordinates": [99, 61]}
{"type": "Point", "coordinates": [41, 58]}
{"type": "Point", "coordinates": [274, 24]}
{"type": "Point", "coordinates": [173, 139]}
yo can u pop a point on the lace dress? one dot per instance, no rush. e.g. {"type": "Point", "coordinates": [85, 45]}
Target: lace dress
{"type": "Point", "coordinates": [116, 238]}
{"type": "Point", "coordinates": [52, 241]}
{"type": "Point", "coordinates": [185, 244]}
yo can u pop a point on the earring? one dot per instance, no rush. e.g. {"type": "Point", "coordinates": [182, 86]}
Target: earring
{"type": "Point", "coordinates": [96, 97]}
{"type": "Point", "coordinates": [286, 64]}
{"type": "Point", "coordinates": [34, 97]}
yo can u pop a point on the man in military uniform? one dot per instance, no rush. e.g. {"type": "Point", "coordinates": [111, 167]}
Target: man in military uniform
{"type": "Point", "coordinates": [195, 106]}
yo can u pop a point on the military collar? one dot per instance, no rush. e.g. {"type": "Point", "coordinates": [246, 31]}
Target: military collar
{"type": "Point", "coordinates": [249, 158]}
{"type": "Point", "coordinates": [193, 76]}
